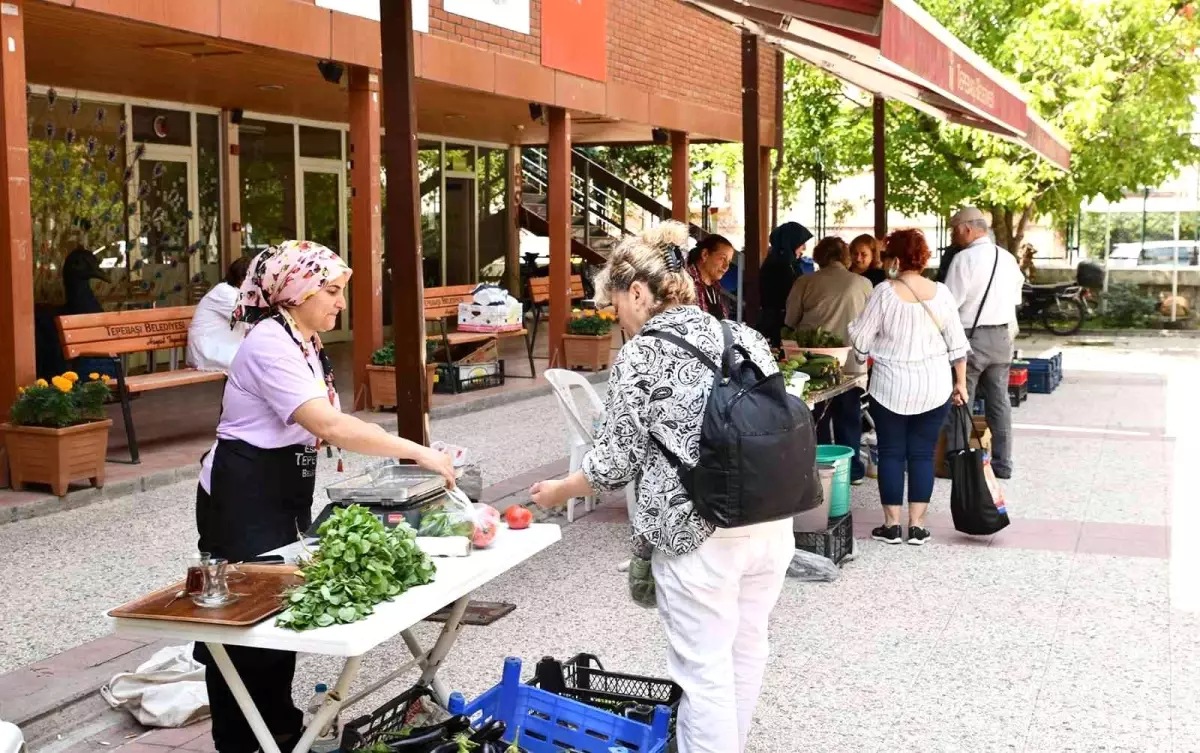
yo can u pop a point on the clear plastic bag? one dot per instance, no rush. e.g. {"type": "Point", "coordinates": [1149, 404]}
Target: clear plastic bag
{"type": "Point", "coordinates": [813, 568]}
{"type": "Point", "coordinates": [451, 515]}
{"type": "Point", "coordinates": [641, 576]}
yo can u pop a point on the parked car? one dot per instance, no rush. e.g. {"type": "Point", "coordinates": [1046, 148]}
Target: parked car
{"type": "Point", "coordinates": [1154, 254]}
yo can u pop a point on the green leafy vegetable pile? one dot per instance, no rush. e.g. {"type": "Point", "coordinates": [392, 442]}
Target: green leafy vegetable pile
{"type": "Point", "coordinates": [359, 564]}
{"type": "Point", "coordinates": [817, 338]}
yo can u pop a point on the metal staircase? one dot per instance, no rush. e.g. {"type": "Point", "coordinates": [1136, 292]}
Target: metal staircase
{"type": "Point", "coordinates": [604, 207]}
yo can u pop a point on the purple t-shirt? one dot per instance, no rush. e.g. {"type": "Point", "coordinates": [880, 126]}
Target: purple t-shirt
{"type": "Point", "coordinates": [268, 381]}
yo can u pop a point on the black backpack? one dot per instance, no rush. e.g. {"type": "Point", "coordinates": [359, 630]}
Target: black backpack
{"type": "Point", "coordinates": [757, 444]}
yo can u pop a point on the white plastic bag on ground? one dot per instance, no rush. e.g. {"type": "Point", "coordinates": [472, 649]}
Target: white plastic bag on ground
{"type": "Point", "coordinates": [166, 691]}
{"type": "Point", "coordinates": [807, 566]}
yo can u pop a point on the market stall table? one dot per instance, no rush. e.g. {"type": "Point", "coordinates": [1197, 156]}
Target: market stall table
{"type": "Point", "coordinates": [812, 398]}
{"type": "Point", "coordinates": [456, 578]}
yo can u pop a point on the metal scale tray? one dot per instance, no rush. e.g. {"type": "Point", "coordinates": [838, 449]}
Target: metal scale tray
{"type": "Point", "coordinates": [391, 485]}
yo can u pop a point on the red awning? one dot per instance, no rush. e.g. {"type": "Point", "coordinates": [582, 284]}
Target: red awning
{"type": "Point", "coordinates": [895, 49]}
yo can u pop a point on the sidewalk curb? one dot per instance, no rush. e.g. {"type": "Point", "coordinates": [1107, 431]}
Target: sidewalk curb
{"type": "Point", "coordinates": [50, 504]}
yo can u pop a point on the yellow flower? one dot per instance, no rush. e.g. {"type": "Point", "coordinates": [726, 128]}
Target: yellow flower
{"type": "Point", "coordinates": [93, 376]}
{"type": "Point", "coordinates": [576, 311]}
{"type": "Point", "coordinates": [588, 314]}
{"type": "Point", "coordinates": [41, 383]}
{"type": "Point", "coordinates": [71, 375]}
{"type": "Point", "coordinates": [20, 390]}
{"type": "Point", "coordinates": [63, 384]}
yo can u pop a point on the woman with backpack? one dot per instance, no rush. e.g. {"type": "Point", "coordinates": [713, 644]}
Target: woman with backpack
{"type": "Point", "coordinates": [715, 587]}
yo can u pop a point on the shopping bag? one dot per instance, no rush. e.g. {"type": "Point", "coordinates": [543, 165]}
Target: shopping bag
{"type": "Point", "coordinates": [976, 510]}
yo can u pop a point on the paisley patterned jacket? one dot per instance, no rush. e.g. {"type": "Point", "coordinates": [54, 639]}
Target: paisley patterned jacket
{"type": "Point", "coordinates": [657, 388]}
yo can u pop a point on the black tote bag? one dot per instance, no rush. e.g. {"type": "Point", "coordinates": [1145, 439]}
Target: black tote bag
{"type": "Point", "coordinates": [972, 504]}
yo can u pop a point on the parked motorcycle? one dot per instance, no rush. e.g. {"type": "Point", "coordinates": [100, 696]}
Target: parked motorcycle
{"type": "Point", "coordinates": [1059, 307]}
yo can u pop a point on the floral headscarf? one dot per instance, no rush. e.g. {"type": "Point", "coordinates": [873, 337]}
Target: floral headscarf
{"type": "Point", "coordinates": [283, 277]}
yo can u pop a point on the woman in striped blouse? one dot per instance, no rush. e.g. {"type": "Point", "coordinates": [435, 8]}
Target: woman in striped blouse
{"type": "Point", "coordinates": [912, 331]}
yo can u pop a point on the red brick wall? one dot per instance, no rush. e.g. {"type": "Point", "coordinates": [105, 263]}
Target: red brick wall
{"type": "Point", "coordinates": [662, 46]}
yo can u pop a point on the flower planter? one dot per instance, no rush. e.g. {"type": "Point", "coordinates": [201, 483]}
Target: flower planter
{"type": "Point", "coordinates": [57, 456]}
{"type": "Point", "coordinates": [591, 352]}
{"type": "Point", "coordinates": [381, 385]}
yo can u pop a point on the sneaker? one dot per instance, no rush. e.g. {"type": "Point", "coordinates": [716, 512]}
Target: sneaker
{"type": "Point", "coordinates": [917, 535]}
{"type": "Point", "coordinates": [1006, 475]}
{"type": "Point", "coordinates": [858, 481]}
{"type": "Point", "coordinates": [888, 534]}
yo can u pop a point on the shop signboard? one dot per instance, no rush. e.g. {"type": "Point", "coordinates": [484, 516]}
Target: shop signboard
{"type": "Point", "coordinates": [507, 14]}
{"type": "Point", "coordinates": [370, 9]}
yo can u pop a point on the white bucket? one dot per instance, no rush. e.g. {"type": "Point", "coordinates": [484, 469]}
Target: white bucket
{"type": "Point", "coordinates": [817, 519]}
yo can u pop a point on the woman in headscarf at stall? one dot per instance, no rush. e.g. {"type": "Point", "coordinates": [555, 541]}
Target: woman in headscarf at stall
{"type": "Point", "coordinates": [778, 273]}
{"type": "Point", "coordinates": [256, 484]}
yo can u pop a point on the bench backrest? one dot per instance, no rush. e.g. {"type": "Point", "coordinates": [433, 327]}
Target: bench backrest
{"type": "Point", "coordinates": [121, 332]}
{"type": "Point", "coordinates": [539, 289]}
{"type": "Point", "coordinates": [443, 302]}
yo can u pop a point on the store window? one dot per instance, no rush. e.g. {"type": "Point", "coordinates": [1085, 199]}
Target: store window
{"type": "Point", "coordinates": [322, 143]}
{"type": "Point", "coordinates": [493, 174]}
{"type": "Point", "coordinates": [79, 170]}
{"type": "Point", "coordinates": [153, 125]}
{"type": "Point", "coordinates": [210, 240]}
{"type": "Point", "coordinates": [268, 176]}
{"type": "Point", "coordinates": [429, 179]}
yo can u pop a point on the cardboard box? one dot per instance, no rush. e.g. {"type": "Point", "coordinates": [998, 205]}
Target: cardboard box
{"type": "Point", "coordinates": [981, 438]}
{"type": "Point", "coordinates": [475, 317]}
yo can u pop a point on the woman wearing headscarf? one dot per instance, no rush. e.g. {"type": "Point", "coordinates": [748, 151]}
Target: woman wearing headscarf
{"type": "Point", "coordinates": [256, 484]}
{"type": "Point", "coordinates": [777, 275]}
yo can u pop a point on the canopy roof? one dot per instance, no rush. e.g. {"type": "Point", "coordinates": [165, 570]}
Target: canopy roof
{"type": "Point", "coordinates": [895, 49]}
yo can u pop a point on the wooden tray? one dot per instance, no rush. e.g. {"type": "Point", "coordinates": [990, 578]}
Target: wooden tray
{"type": "Point", "coordinates": [261, 589]}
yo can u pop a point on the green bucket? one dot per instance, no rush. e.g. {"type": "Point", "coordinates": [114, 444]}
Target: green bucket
{"type": "Point", "coordinates": [839, 457]}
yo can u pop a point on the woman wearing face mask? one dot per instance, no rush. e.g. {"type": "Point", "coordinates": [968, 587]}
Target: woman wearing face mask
{"type": "Point", "coordinates": [256, 484]}
{"type": "Point", "coordinates": [708, 262]}
{"type": "Point", "coordinates": [715, 587]}
{"type": "Point", "coordinates": [778, 273]}
{"type": "Point", "coordinates": [911, 330]}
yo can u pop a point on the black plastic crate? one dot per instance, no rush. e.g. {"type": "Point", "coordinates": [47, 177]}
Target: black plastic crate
{"type": "Point", "coordinates": [1017, 394]}
{"type": "Point", "coordinates": [392, 716]}
{"type": "Point", "coordinates": [834, 543]}
{"type": "Point", "coordinates": [583, 678]}
{"type": "Point", "coordinates": [449, 380]}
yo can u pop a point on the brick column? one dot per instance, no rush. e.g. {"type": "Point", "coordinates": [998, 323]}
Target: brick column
{"type": "Point", "coordinates": [681, 176]}
{"type": "Point", "coordinates": [366, 248]}
{"type": "Point", "coordinates": [558, 200]}
{"type": "Point", "coordinates": [18, 358]}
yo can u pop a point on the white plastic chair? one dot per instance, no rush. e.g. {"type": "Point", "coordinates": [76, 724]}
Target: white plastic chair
{"type": "Point", "coordinates": [579, 431]}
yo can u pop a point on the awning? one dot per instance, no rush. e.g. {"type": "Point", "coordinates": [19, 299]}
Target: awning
{"type": "Point", "coordinates": [895, 49]}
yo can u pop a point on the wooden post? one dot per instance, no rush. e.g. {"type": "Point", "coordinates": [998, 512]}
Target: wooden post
{"type": "Point", "coordinates": [231, 191]}
{"type": "Point", "coordinates": [752, 163]}
{"type": "Point", "coordinates": [366, 250]}
{"type": "Point", "coordinates": [18, 359]}
{"type": "Point", "coordinates": [879, 110]}
{"type": "Point", "coordinates": [512, 247]}
{"type": "Point", "coordinates": [558, 200]}
{"type": "Point", "coordinates": [764, 191]}
{"type": "Point", "coordinates": [681, 177]}
{"type": "Point", "coordinates": [403, 222]}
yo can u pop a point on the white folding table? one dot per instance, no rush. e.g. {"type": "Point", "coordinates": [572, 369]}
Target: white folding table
{"type": "Point", "coordinates": [456, 578]}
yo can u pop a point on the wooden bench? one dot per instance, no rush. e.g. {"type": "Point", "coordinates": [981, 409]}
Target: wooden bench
{"type": "Point", "coordinates": [442, 304]}
{"type": "Point", "coordinates": [115, 335]}
{"type": "Point", "coordinates": [539, 296]}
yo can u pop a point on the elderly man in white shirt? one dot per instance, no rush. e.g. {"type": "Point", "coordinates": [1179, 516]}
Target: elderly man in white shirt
{"type": "Point", "coordinates": [986, 281]}
{"type": "Point", "coordinates": [212, 341]}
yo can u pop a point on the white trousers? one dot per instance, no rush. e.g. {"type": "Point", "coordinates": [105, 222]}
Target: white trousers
{"type": "Point", "coordinates": [715, 603]}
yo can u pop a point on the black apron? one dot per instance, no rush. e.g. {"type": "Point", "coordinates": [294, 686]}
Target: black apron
{"type": "Point", "coordinates": [258, 501]}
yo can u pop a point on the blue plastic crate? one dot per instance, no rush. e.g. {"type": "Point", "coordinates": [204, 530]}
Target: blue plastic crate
{"type": "Point", "coordinates": [1043, 382]}
{"type": "Point", "coordinates": [550, 724]}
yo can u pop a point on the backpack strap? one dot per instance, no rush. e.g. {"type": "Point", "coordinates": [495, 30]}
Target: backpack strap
{"type": "Point", "coordinates": [675, 339]}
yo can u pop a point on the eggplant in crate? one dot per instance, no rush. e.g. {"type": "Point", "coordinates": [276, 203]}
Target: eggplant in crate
{"type": "Point", "coordinates": [585, 679]}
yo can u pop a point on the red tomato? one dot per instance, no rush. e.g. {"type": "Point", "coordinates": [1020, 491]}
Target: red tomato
{"type": "Point", "coordinates": [518, 517]}
{"type": "Point", "coordinates": [487, 519]}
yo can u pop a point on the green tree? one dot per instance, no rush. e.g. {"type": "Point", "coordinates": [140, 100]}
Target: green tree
{"type": "Point", "coordinates": [1114, 77]}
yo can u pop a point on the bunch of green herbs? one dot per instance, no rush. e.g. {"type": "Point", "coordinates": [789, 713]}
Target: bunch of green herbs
{"type": "Point", "coordinates": [359, 563]}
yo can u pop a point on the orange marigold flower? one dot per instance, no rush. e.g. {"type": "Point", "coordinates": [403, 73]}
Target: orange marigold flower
{"type": "Point", "coordinates": [588, 314]}
{"type": "Point", "coordinates": [62, 383]}
{"type": "Point", "coordinates": [71, 375]}
{"type": "Point", "coordinates": [93, 376]}
{"type": "Point", "coordinates": [41, 383]}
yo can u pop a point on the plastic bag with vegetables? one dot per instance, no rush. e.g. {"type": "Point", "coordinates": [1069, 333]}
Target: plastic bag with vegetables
{"type": "Point", "coordinates": [451, 515]}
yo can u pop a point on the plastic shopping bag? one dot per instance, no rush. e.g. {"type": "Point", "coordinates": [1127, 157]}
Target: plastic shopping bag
{"type": "Point", "coordinates": [641, 576]}
{"type": "Point", "coordinates": [451, 515]}
{"type": "Point", "coordinates": [976, 510]}
{"type": "Point", "coordinates": [813, 568]}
